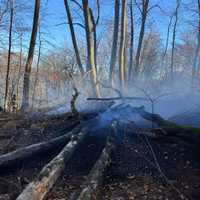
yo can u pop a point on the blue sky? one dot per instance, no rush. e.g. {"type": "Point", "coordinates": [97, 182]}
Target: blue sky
{"type": "Point", "coordinates": [60, 35]}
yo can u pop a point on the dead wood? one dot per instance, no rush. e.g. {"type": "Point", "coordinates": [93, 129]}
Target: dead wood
{"type": "Point", "coordinates": [187, 133]}
{"type": "Point", "coordinates": [95, 176]}
{"type": "Point", "coordinates": [38, 189]}
{"type": "Point", "coordinates": [73, 101]}
{"type": "Point", "coordinates": [11, 158]}
{"type": "Point", "coordinates": [117, 98]}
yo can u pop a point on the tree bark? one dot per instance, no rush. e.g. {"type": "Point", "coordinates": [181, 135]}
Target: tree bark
{"type": "Point", "coordinates": [114, 43]}
{"type": "Point", "coordinates": [37, 71]}
{"type": "Point", "coordinates": [130, 69]}
{"type": "Point", "coordinates": [174, 40]}
{"type": "Point", "coordinates": [27, 73]}
{"type": "Point", "coordinates": [70, 21]}
{"type": "Point", "coordinates": [38, 189]}
{"type": "Point", "coordinates": [163, 64]}
{"type": "Point", "coordinates": [9, 53]}
{"type": "Point", "coordinates": [90, 49]}
{"type": "Point", "coordinates": [20, 67]}
{"type": "Point", "coordinates": [197, 50]}
{"type": "Point", "coordinates": [122, 46]}
{"type": "Point", "coordinates": [145, 5]}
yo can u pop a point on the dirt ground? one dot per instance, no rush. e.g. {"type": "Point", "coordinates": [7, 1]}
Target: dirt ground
{"type": "Point", "coordinates": [141, 168]}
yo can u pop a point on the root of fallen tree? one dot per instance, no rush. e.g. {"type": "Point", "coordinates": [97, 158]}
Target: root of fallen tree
{"type": "Point", "coordinates": [38, 189]}
{"type": "Point", "coordinates": [11, 158]}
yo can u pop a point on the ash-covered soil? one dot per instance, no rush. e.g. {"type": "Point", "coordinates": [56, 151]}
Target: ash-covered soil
{"type": "Point", "coordinates": [147, 169]}
{"type": "Point", "coordinates": [141, 168]}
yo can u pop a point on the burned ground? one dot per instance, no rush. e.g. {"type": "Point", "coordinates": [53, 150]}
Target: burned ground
{"type": "Point", "coordinates": [141, 168]}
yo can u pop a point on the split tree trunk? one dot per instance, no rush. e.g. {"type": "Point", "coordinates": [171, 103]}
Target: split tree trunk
{"type": "Point", "coordinates": [38, 189]}
{"type": "Point", "coordinates": [90, 48]}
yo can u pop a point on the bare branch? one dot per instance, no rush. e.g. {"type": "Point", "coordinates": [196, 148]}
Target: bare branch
{"type": "Point", "coordinates": [74, 23]}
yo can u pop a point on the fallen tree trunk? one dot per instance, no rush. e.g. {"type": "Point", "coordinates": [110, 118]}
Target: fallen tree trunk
{"type": "Point", "coordinates": [38, 189]}
{"type": "Point", "coordinates": [118, 98]}
{"type": "Point", "coordinates": [187, 133]}
{"type": "Point", "coordinates": [95, 176]}
{"type": "Point", "coordinates": [11, 158]}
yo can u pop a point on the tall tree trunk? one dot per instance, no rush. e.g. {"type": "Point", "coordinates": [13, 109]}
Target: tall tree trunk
{"type": "Point", "coordinates": [36, 75]}
{"type": "Point", "coordinates": [9, 53]}
{"type": "Point", "coordinates": [197, 50]}
{"type": "Point", "coordinates": [95, 38]}
{"type": "Point", "coordinates": [163, 64]}
{"type": "Point", "coordinates": [122, 46]}
{"type": "Point", "coordinates": [71, 27]}
{"type": "Point", "coordinates": [27, 73]}
{"type": "Point", "coordinates": [114, 43]}
{"type": "Point", "coordinates": [174, 40]}
{"type": "Point", "coordinates": [130, 69]}
{"type": "Point", "coordinates": [145, 5]}
{"type": "Point", "coordinates": [90, 48]}
{"type": "Point", "coordinates": [20, 66]}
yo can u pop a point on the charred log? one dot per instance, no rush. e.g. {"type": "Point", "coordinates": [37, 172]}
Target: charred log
{"type": "Point", "coordinates": [95, 177]}
{"type": "Point", "coordinates": [19, 155]}
{"type": "Point", "coordinates": [38, 189]}
{"type": "Point", "coordinates": [187, 133]}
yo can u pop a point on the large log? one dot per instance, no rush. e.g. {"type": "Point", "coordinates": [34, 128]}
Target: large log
{"type": "Point", "coordinates": [38, 189]}
{"type": "Point", "coordinates": [187, 133]}
{"type": "Point", "coordinates": [95, 176]}
{"type": "Point", "coordinates": [11, 158]}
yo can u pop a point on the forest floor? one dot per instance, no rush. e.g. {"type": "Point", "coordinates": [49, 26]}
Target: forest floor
{"type": "Point", "coordinates": [141, 168]}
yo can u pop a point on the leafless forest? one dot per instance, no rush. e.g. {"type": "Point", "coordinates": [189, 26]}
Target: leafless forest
{"type": "Point", "coordinates": [99, 99]}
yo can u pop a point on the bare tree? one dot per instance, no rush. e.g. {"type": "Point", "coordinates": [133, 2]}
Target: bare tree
{"type": "Point", "coordinates": [37, 69]}
{"type": "Point", "coordinates": [166, 45]}
{"type": "Point", "coordinates": [94, 24]}
{"type": "Point", "coordinates": [174, 39]}
{"type": "Point", "coordinates": [122, 46]}
{"type": "Point", "coordinates": [114, 43]}
{"type": "Point", "coordinates": [3, 10]}
{"type": "Point", "coordinates": [71, 26]}
{"type": "Point", "coordinates": [90, 48]}
{"type": "Point", "coordinates": [20, 63]}
{"type": "Point", "coordinates": [197, 50]}
{"type": "Point", "coordinates": [9, 52]}
{"type": "Point", "coordinates": [144, 12]}
{"type": "Point", "coordinates": [27, 73]}
{"type": "Point", "coordinates": [130, 68]}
